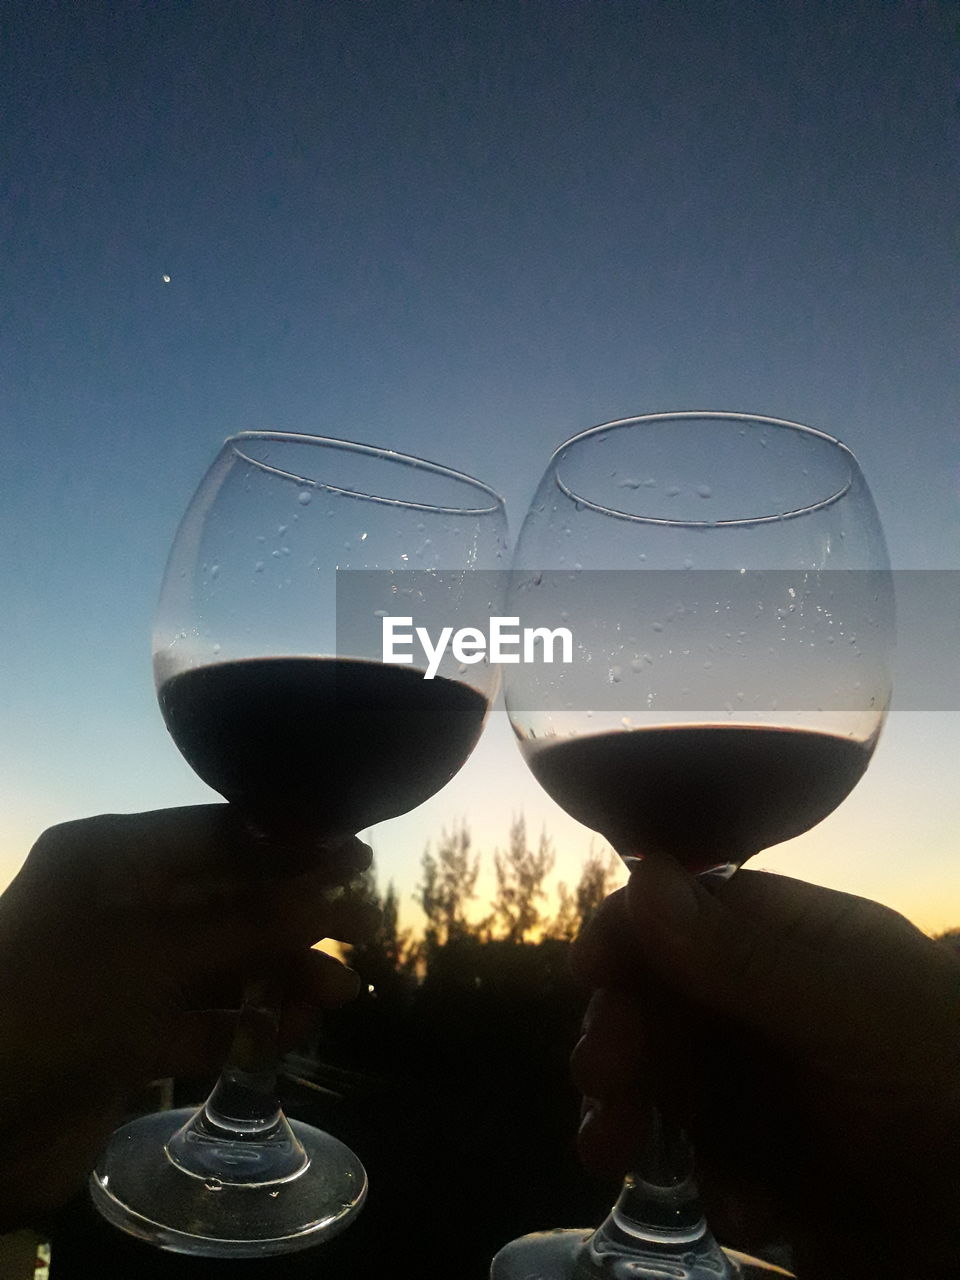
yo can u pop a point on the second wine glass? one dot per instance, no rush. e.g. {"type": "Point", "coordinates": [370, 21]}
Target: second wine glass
{"type": "Point", "coordinates": [726, 584]}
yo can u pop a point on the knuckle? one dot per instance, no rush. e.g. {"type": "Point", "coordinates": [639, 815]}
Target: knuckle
{"type": "Point", "coordinates": [581, 1063]}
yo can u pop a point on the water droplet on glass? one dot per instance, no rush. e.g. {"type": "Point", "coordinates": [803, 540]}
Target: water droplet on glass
{"type": "Point", "coordinates": [704, 491]}
{"type": "Point", "coordinates": [614, 675]}
{"type": "Point", "coordinates": [216, 648]}
{"type": "Point", "coordinates": [628, 482]}
{"type": "Point", "coordinates": [626, 722]}
{"type": "Point", "coordinates": [673, 491]}
{"type": "Point", "coordinates": [258, 567]}
{"type": "Point", "coordinates": [275, 554]}
{"type": "Point", "coordinates": [281, 530]}
{"type": "Point", "coordinates": [304, 497]}
{"type": "Point", "coordinates": [688, 563]}
{"type": "Point", "coordinates": [213, 1184]}
{"type": "Point", "coordinates": [381, 613]}
{"type": "Point", "coordinates": [215, 571]}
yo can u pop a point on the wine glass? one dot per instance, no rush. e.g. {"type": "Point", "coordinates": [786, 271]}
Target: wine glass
{"type": "Point", "coordinates": [725, 582]}
{"type": "Point", "coordinates": [273, 687]}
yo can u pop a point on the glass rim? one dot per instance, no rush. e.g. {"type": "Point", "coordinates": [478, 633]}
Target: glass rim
{"type": "Point", "coordinates": [691, 415]}
{"type": "Point", "coordinates": [373, 451]}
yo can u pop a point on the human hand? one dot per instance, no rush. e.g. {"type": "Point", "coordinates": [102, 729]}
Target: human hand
{"type": "Point", "coordinates": [125, 941]}
{"type": "Point", "coordinates": [812, 1038]}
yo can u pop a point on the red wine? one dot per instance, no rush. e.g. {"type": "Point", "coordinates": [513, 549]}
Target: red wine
{"type": "Point", "coordinates": [334, 744]}
{"type": "Point", "coordinates": [706, 794]}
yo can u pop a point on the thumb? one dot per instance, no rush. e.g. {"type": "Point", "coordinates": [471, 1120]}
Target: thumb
{"type": "Point", "coordinates": [734, 950]}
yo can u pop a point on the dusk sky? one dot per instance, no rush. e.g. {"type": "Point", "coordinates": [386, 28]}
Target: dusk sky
{"type": "Point", "coordinates": [464, 229]}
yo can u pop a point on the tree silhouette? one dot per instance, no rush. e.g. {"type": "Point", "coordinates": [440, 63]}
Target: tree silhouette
{"type": "Point", "coordinates": [520, 873]}
{"type": "Point", "coordinates": [392, 948]}
{"type": "Point", "coordinates": [597, 880]}
{"type": "Point", "coordinates": [448, 885]}
{"type": "Point", "coordinates": [387, 961]}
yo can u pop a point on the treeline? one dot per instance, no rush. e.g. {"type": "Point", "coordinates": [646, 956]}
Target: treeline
{"type": "Point", "coordinates": [447, 896]}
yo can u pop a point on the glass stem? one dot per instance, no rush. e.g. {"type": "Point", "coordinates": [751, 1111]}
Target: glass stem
{"type": "Point", "coordinates": [245, 1096]}
{"type": "Point", "coordinates": [660, 1194]}
{"type": "Point", "coordinates": [658, 1212]}
{"type": "Point", "coordinates": [657, 1218]}
{"type": "Point", "coordinates": [240, 1134]}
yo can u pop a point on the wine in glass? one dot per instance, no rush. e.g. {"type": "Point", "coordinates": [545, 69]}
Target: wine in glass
{"type": "Point", "coordinates": [726, 584]}
{"type": "Point", "coordinates": [279, 699]}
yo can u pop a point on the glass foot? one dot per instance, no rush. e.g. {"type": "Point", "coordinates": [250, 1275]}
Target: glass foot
{"type": "Point", "coordinates": [569, 1255]}
{"type": "Point", "coordinates": [137, 1187]}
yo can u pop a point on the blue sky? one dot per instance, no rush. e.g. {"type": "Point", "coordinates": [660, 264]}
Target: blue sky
{"type": "Point", "coordinates": [465, 230]}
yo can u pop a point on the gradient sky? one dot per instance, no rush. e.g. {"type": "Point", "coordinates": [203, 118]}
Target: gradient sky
{"type": "Point", "coordinates": [464, 230]}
